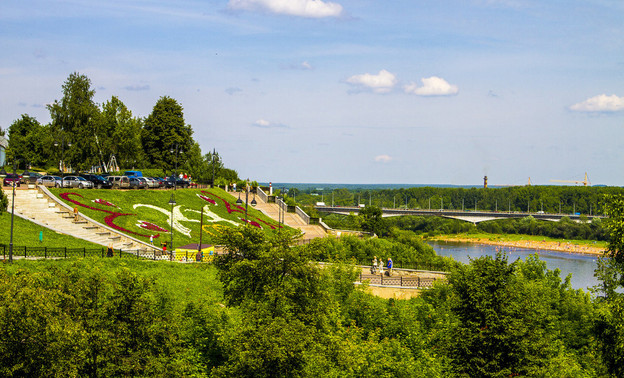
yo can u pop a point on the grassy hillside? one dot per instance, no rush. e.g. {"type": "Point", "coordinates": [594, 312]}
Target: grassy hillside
{"type": "Point", "coordinates": [141, 213]}
{"type": "Point", "coordinates": [26, 233]}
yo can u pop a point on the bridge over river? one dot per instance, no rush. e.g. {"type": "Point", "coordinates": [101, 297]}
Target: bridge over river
{"type": "Point", "coordinates": [468, 216]}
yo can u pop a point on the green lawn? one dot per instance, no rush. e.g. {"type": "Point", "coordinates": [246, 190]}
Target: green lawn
{"type": "Point", "coordinates": [141, 213]}
{"type": "Point", "coordinates": [26, 233]}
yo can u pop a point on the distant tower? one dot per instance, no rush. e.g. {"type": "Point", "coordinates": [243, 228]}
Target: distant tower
{"type": "Point", "coordinates": [485, 182]}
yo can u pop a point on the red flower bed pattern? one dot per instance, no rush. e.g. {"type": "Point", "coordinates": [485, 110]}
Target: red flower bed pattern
{"type": "Point", "coordinates": [240, 209]}
{"type": "Point", "coordinates": [150, 226]}
{"type": "Point", "coordinates": [103, 202]}
{"type": "Point", "coordinates": [109, 220]}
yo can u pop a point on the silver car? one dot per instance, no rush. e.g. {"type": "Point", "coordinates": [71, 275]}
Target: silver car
{"type": "Point", "coordinates": [151, 183]}
{"type": "Point", "coordinates": [49, 181]}
{"type": "Point", "coordinates": [76, 182]}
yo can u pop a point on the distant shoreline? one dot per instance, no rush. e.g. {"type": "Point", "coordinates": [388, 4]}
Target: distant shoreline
{"type": "Point", "coordinates": [564, 246]}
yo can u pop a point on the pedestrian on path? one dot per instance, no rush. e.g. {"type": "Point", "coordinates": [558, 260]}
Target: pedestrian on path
{"type": "Point", "coordinates": [381, 265]}
{"type": "Point", "coordinates": [389, 266]}
{"type": "Point", "coordinates": [374, 268]}
{"type": "Point", "coordinates": [75, 213]}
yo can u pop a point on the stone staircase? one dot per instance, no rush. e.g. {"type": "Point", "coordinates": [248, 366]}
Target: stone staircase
{"type": "Point", "coordinates": [39, 206]}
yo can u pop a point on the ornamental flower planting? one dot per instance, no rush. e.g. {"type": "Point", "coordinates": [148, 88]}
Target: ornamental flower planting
{"type": "Point", "coordinates": [148, 213]}
{"type": "Point", "coordinates": [150, 226]}
{"type": "Point", "coordinates": [109, 220]}
{"type": "Point", "coordinates": [102, 202]}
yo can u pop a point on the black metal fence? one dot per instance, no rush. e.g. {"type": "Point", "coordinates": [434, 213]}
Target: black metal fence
{"type": "Point", "coordinates": [64, 252]}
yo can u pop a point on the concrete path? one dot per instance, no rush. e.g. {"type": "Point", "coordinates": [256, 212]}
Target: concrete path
{"type": "Point", "coordinates": [290, 219]}
{"type": "Point", "coordinates": [39, 206]}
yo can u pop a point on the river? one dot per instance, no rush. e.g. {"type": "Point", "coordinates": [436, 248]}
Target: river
{"type": "Point", "coordinates": [581, 266]}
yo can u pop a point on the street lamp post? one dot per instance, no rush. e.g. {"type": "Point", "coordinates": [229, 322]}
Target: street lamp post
{"type": "Point", "coordinates": [172, 202]}
{"type": "Point", "coordinates": [63, 142]}
{"type": "Point", "coordinates": [214, 152]}
{"type": "Point", "coordinates": [177, 150]}
{"type": "Point", "coordinates": [253, 202]}
{"type": "Point", "coordinates": [12, 214]}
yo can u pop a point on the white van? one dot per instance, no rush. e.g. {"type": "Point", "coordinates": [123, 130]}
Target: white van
{"type": "Point", "coordinates": [119, 181]}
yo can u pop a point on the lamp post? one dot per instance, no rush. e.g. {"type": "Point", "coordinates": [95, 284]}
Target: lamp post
{"type": "Point", "coordinates": [63, 142]}
{"type": "Point", "coordinates": [214, 153]}
{"type": "Point", "coordinates": [12, 214]}
{"type": "Point", "coordinates": [253, 202]}
{"type": "Point", "coordinates": [177, 150]}
{"type": "Point", "coordinates": [172, 202]}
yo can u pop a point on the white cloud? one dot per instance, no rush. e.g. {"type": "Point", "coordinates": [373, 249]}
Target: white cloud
{"type": "Point", "coordinates": [600, 103]}
{"type": "Point", "coordinates": [383, 82]}
{"type": "Point", "coordinates": [383, 158]}
{"type": "Point", "coordinates": [432, 86]}
{"type": "Point", "coordinates": [264, 124]}
{"type": "Point", "coordinates": [301, 8]}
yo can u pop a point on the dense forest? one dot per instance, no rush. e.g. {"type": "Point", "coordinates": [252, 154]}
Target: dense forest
{"type": "Point", "coordinates": [550, 199]}
{"type": "Point", "coordinates": [267, 309]}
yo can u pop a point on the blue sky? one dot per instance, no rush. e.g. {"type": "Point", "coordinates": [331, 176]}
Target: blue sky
{"type": "Point", "coordinates": [419, 92]}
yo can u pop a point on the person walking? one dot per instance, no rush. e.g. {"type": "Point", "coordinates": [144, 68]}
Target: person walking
{"type": "Point", "coordinates": [110, 251]}
{"type": "Point", "coordinates": [152, 239]}
{"type": "Point", "coordinates": [374, 267]}
{"type": "Point", "coordinates": [75, 213]}
{"type": "Point", "coordinates": [389, 266]}
{"type": "Point", "coordinates": [381, 265]}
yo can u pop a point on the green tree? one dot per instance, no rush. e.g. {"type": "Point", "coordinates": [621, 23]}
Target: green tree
{"type": "Point", "coordinates": [120, 134]}
{"type": "Point", "coordinates": [29, 142]}
{"type": "Point", "coordinates": [372, 220]}
{"type": "Point", "coordinates": [167, 139]}
{"type": "Point", "coordinates": [507, 325]}
{"type": "Point", "coordinates": [75, 120]}
{"type": "Point", "coordinates": [610, 326]}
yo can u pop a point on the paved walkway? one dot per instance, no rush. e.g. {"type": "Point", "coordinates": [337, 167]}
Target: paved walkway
{"type": "Point", "coordinates": [44, 209]}
{"type": "Point", "coordinates": [290, 219]}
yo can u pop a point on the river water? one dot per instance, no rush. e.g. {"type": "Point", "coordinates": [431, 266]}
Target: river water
{"type": "Point", "coordinates": [581, 266]}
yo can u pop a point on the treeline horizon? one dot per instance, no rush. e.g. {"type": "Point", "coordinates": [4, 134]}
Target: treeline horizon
{"type": "Point", "coordinates": [84, 135]}
{"type": "Point", "coordinates": [588, 201]}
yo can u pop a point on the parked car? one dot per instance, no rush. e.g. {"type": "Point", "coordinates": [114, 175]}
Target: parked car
{"type": "Point", "coordinates": [180, 183]}
{"type": "Point", "coordinates": [119, 182]}
{"type": "Point", "coordinates": [11, 179]}
{"type": "Point", "coordinates": [50, 181]}
{"type": "Point", "coordinates": [30, 177]}
{"type": "Point", "coordinates": [160, 181]}
{"type": "Point", "coordinates": [151, 183]}
{"type": "Point", "coordinates": [98, 181]}
{"type": "Point", "coordinates": [76, 182]}
{"type": "Point", "coordinates": [137, 183]}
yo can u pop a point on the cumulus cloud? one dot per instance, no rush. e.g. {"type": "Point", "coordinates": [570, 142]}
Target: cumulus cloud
{"type": "Point", "coordinates": [300, 8]}
{"type": "Point", "coordinates": [432, 86]}
{"type": "Point", "coordinates": [264, 124]}
{"type": "Point", "coordinates": [383, 158]}
{"type": "Point", "coordinates": [600, 103]}
{"type": "Point", "coordinates": [383, 82]}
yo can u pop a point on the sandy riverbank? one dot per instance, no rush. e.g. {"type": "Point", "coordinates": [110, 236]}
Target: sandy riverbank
{"type": "Point", "coordinates": [530, 244]}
